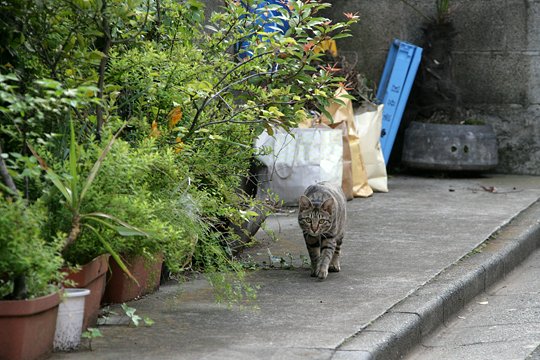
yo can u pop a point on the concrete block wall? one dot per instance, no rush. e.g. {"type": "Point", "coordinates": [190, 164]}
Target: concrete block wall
{"type": "Point", "coordinates": [496, 62]}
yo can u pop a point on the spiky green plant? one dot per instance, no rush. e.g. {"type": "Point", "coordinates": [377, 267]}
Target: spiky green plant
{"type": "Point", "coordinates": [74, 195]}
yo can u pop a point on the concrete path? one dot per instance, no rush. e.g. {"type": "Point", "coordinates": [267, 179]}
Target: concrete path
{"type": "Point", "coordinates": [408, 264]}
{"type": "Point", "coordinates": [502, 323]}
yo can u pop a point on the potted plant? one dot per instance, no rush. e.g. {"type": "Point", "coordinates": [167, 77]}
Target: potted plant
{"type": "Point", "coordinates": [442, 137]}
{"type": "Point", "coordinates": [122, 188]}
{"type": "Point", "coordinates": [90, 232]}
{"type": "Point", "coordinates": [148, 195]}
{"type": "Point", "coordinates": [29, 277]}
{"type": "Point", "coordinates": [139, 184]}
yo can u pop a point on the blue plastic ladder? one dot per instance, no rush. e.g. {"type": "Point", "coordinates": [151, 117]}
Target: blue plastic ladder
{"type": "Point", "coordinates": [394, 89]}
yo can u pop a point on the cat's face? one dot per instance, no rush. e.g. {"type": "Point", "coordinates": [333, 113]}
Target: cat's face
{"type": "Point", "coordinates": [313, 219]}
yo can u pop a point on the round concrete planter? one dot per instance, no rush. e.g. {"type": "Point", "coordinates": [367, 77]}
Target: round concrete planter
{"type": "Point", "coordinates": [92, 277]}
{"type": "Point", "coordinates": [450, 147]}
{"type": "Point", "coordinates": [27, 327]}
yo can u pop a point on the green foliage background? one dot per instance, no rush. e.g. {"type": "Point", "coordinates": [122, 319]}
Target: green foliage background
{"type": "Point", "coordinates": [193, 109]}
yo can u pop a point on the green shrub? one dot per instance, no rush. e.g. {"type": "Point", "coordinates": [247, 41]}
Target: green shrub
{"type": "Point", "coordinates": [23, 251]}
{"type": "Point", "coordinates": [169, 74]}
{"type": "Point", "coordinates": [146, 188]}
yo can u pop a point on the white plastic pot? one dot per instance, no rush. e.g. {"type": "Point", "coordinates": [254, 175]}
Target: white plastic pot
{"type": "Point", "coordinates": [70, 319]}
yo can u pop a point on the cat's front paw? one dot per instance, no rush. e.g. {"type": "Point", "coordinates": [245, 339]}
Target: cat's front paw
{"type": "Point", "coordinates": [334, 268]}
{"type": "Point", "coordinates": [322, 274]}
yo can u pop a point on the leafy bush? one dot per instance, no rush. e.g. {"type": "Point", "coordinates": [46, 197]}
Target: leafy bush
{"type": "Point", "coordinates": [24, 252]}
{"type": "Point", "coordinates": [140, 184]}
{"type": "Point", "coordinates": [193, 106]}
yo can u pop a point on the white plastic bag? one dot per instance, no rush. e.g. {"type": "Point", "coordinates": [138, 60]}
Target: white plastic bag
{"type": "Point", "coordinates": [368, 121]}
{"type": "Point", "coordinates": [300, 159]}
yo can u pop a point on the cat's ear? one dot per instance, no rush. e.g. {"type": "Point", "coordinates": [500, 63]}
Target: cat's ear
{"type": "Point", "coordinates": [304, 202]}
{"type": "Point", "coordinates": [328, 205]}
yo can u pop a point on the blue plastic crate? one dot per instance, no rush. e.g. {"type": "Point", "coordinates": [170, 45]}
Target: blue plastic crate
{"type": "Point", "coordinates": [394, 89]}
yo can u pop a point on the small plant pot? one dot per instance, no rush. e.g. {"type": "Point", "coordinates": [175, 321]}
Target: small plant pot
{"type": "Point", "coordinates": [121, 288]}
{"type": "Point", "coordinates": [70, 320]}
{"type": "Point", "coordinates": [27, 327]}
{"type": "Point", "coordinates": [92, 276]}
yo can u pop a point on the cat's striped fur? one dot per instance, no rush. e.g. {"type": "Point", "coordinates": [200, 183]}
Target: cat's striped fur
{"type": "Point", "coordinates": [322, 216]}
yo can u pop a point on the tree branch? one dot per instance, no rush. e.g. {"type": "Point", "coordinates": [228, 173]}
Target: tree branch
{"type": "Point", "coordinates": [102, 66]}
{"type": "Point", "coordinates": [8, 180]}
{"type": "Point", "coordinates": [226, 33]}
{"type": "Point", "coordinates": [231, 121]}
{"type": "Point", "coordinates": [209, 99]}
{"type": "Point", "coordinates": [243, 63]}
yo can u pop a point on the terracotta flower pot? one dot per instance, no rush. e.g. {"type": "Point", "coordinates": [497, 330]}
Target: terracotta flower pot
{"type": "Point", "coordinates": [120, 288]}
{"type": "Point", "coordinates": [92, 276]}
{"type": "Point", "coordinates": [27, 327]}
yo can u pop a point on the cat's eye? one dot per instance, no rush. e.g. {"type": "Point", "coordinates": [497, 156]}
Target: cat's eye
{"type": "Point", "coordinates": [308, 220]}
{"type": "Point", "coordinates": [322, 221]}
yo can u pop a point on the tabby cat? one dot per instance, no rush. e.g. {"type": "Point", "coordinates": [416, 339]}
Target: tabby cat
{"type": "Point", "coordinates": [322, 217]}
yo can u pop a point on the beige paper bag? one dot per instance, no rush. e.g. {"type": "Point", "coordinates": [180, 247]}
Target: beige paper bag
{"type": "Point", "coordinates": [347, 181]}
{"type": "Point", "coordinates": [368, 121]}
{"type": "Point", "coordinates": [345, 113]}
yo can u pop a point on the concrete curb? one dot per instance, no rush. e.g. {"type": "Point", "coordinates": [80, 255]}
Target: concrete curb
{"type": "Point", "coordinates": [396, 332]}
